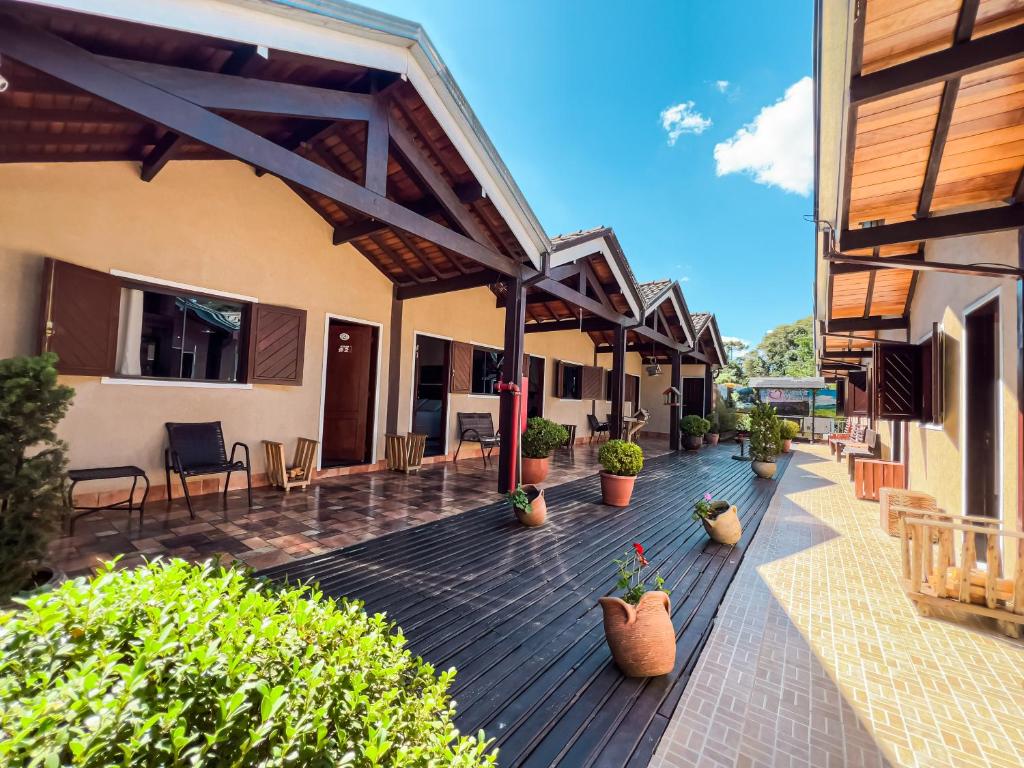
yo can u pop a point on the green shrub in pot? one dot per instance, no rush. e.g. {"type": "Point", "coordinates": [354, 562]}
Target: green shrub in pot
{"type": "Point", "coordinates": [694, 426]}
{"type": "Point", "coordinates": [765, 442]}
{"type": "Point", "coordinates": [201, 665]}
{"type": "Point", "coordinates": [541, 437]}
{"type": "Point", "coordinates": [32, 467]}
{"type": "Point", "coordinates": [788, 429]}
{"type": "Point", "coordinates": [621, 458]}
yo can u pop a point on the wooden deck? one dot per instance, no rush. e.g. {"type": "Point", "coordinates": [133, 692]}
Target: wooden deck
{"type": "Point", "coordinates": [515, 610]}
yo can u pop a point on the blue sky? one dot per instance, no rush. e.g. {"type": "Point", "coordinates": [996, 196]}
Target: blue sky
{"type": "Point", "coordinates": [572, 95]}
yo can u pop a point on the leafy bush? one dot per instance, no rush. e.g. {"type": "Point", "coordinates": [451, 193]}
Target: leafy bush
{"type": "Point", "coordinates": [694, 426]}
{"type": "Point", "coordinates": [743, 422]}
{"type": "Point", "coordinates": [723, 417]}
{"type": "Point", "coordinates": [788, 429]}
{"type": "Point", "coordinates": [619, 457]}
{"type": "Point", "coordinates": [713, 422]}
{"type": "Point", "coordinates": [32, 462]}
{"type": "Point", "coordinates": [765, 442]}
{"type": "Point", "coordinates": [542, 437]}
{"type": "Point", "coordinates": [178, 664]}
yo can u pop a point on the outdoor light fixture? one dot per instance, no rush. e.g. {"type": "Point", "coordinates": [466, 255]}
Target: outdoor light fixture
{"type": "Point", "coordinates": [653, 367]}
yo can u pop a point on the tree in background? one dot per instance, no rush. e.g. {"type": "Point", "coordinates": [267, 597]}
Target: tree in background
{"type": "Point", "coordinates": [786, 350]}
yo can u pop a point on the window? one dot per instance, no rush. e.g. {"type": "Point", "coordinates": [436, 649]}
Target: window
{"type": "Point", "coordinates": [486, 370]}
{"type": "Point", "coordinates": [571, 384]}
{"type": "Point", "coordinates": [167, 335]}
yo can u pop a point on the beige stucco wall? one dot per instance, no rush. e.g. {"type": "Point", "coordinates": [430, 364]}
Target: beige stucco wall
{"type": "Point", "coordinates": [216, 226]}
{"type": "Point", "coordinates": [936, 453]}
{"type": "Point", "coordinates": [652, 398]}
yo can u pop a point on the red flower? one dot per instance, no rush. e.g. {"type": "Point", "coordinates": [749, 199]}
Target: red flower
{"type": "Point", "coordinates": [640, 555]}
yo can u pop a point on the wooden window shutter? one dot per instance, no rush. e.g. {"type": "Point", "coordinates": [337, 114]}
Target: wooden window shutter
{"type": "Point", "coordinates": [462, 368]}
{"type": "Point", "coordinates": [277, 341]}
{"type": "Point", "coordinates": [79, 317]}
{"type": "Point", "coordinates": [593, 382]}
{"type": "Point", "coordinates": [632, 389]}
{"type": "Point", "coordinates": [897, 377]}
{"type": "Point", "coordinates": [857, 393]}
{"type": "Point", "coordinates": [558, 379]}
{"type": "Point", "coordinates": [937, 404]}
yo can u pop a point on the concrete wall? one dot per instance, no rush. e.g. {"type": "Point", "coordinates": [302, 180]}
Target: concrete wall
{"type": "Point", "coordinates": [652, 398]}
{"type": "Point", "coordinates": [216, 226]}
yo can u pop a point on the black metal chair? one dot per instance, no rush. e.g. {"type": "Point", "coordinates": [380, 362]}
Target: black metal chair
{"type": "Point", "coordinates": [198, 449]}
{"type": "Point", "coordinates": [597, 427]}
{"type": "Point", "coordinates": [477, 428]}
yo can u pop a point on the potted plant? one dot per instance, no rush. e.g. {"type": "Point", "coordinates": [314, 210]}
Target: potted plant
{"type": "Point", "coordinates": [787, 431]}
{"type": "Point", "coordinates": [714, 428]}
{"type": "Point", "coordinates": [32, 477]}
{"type": "Point", "coordinates": [719, 519]}
{"type": "Point", "coordinates": [743, 426]}
{"type": "Point", "coordinates": [764, 440]}
{"type": "Point", "coordinates": [694, 429]}
{"type": "Point", "coordinates": [622, 462]}
{"type": "Point", "coordinates": [539, 441]}
{"type": "Point", "coordinates": [529, 505]}
{"type": "Point", "coordinates": [638, 626]}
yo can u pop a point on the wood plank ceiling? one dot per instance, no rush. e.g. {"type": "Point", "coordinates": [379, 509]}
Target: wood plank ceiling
{"type": "Point", "coordinates": [924, 151]}
{"type": "Point", "coordinates": [44, 119]}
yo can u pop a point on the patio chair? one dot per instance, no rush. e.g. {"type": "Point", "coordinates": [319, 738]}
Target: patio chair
{"type": "Point", "coordinates": [299, 473]}
{"type": "Point", "coordinates": [933, 575]}
{"type": "Point", "coordinates": [853, 434]}
{"type": "Point", "coordinates": [477, 428]}
{"type": "Point", "coordinates": [871, 448]}
{"type": "Point", "coordinates": [196, 449]}
{"type": "Point", "coordinates": [597, 427]}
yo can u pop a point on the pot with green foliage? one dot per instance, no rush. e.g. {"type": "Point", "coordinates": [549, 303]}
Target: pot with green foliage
{"type": "Point", "coordinates": [32, 471]}
{"type": "Point", "coordinates": [174, 664]}
{"type": "Point", "coordinates": [714, 428]}
{"type": "Point", "coordinates": [622, 462]}
{"type": "Point", "coordinates": [765, 442]}
{"type": "Point", "coordinates": [694, 428]}
{"type": "Point", "coordinates": [539, 441]}
{"type": "Point", "coordinates": [788, 430]}
{"type": "Point", "coordinates": [719, 518]}
{"type": "Point", "coordinates": [529, 505]}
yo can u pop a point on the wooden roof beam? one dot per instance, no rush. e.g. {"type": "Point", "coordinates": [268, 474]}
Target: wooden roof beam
{"type": "Point", "coordinates": [959, 60]}
{"type": "Point", "coordinates": [460, 283]}
{"type": "Point", "coordinates": [59, 58]}
{"type": "Point", "coordinates": [867, 324]}
{"type": "Point", "coordinates": [978, 270]}
{"type": "Point", "coordinates": [933, 228]}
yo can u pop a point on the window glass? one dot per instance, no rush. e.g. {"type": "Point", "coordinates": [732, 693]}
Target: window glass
{"type": "Point", "coordinates": [572, 381]}
{"type": "Point", "coordinates": [178, 336]}
{"type": "Point", "coordinates": [926, 380]}
{"type": "Point", "coordinates": [486, 371]}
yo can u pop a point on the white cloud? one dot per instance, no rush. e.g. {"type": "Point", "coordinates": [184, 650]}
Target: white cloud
{"type": "Point", "coordinates": [777, 147]}
{"type": "Point", "coordinates": [721, 85]}
{"type": "Point", "coordinates": [744, 342]}
{"type": "Point", "coordinates": [684, 279]}
{"type": "Point", "coordinates": [683, 118]}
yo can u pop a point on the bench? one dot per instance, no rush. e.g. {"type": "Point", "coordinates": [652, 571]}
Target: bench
{"type": "Point", "coordinates": [869, 449]}
{"type": "Point", "coordinates": [77, 476]}
{"type": "Point", "coordinates": [477, 428]}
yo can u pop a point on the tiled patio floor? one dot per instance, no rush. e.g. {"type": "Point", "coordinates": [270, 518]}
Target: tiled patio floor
{"type": "Point", "coordinates": [818, 659]}
{"type": "Point", "coordinates": [279, 527]}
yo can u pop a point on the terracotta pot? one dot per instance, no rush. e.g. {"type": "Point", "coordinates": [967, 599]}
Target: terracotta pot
{"type": "Point", "coordinates": [641, 638]}
{"type": "Point", "coordinates": [787, 446]}
{"type": "Point", "coordinates": [538, 507]}
{"type": "Point", "coordinates": [616, 490]}
{"type": "Point", "coordinates": [726, 528]}
{"type": "Point", "coordinates": [712, 438]}
{"type": "Point", "coordinates": [535, 470]}
{"type": "Point", "coordinates": [46, 578]}
{"type": "Point", "coordinates": [764, 469]}
{"type": "Point", "coordinates": [692, 442]}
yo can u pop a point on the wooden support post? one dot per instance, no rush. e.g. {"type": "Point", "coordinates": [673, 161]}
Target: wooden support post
{"type": "Point", "coordinates": [512, 372]}
{"type": "Point", "coordinates": [394, 361]}
{"type": "Point", "coordinates": [618, 381]}
{"type": "Point", "coordinates": [675, 411]}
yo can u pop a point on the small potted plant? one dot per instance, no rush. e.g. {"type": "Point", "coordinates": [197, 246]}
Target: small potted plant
{"type": "Point", "coordinates": [764, 440]}
{"type": "Point", "coordinates": [529, 505]}
{"type": "Point", "coordinates": [788, 429]}
{"type": "Point", "coordinates": [694, 428]}
{"type": "Point", "coordinates": [743, 426]}
{"type": "Point", "coordinates": [638, 625]}
{"type": "Point", "coordinates": [539, 441]}
{"type": "Point", "coordinates": [32, 476]}
{"type": "Point", "coordinates": [719, 519]}
{"type": "Point", "coordinates": [622, 462]}
{"type": "Point", "coordinates": [714, 428]}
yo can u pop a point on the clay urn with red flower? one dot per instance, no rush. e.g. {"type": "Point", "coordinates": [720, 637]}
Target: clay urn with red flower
{"type": "Point", "coordinates": [638, 625]}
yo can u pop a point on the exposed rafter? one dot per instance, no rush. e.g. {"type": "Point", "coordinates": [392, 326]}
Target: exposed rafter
{"type": "Point", "coordinates": [867, 324]}
{"type": "Point", "coordinates": [935, 227]}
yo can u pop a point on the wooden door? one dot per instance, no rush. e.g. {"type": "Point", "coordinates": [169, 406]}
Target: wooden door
{"type": "Point", "coordinates": [693, 396]}
{"type": "Point", "coordinates": [351, 355]}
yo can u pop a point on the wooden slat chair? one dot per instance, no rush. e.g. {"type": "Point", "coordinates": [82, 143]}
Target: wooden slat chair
{"type": "Point", "coordinates": [933, 575]}
{"type": "Point", "coordinates": [871, 448]}
{"type": "Point", "coordinates": [597, 427]}
{"type": "Point", "coordinates": [299, 473]}
{"type": "Point", "coordinates": [477, 428]}
{"type": "Point", "coordinates": [196, 449]}
{"type": "Point", "coordinates": [855, 434]}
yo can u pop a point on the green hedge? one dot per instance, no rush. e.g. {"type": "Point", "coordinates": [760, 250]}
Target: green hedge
{"type": "Point", "coordinates": [177, 664]}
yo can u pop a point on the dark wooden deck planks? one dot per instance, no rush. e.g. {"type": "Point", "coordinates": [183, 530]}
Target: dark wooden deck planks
{"type": "Point", "coordinates": [515, 610]}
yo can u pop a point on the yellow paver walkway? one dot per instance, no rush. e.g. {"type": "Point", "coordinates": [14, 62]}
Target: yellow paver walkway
{"type": "Point", "coordinates": [819, 659]}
